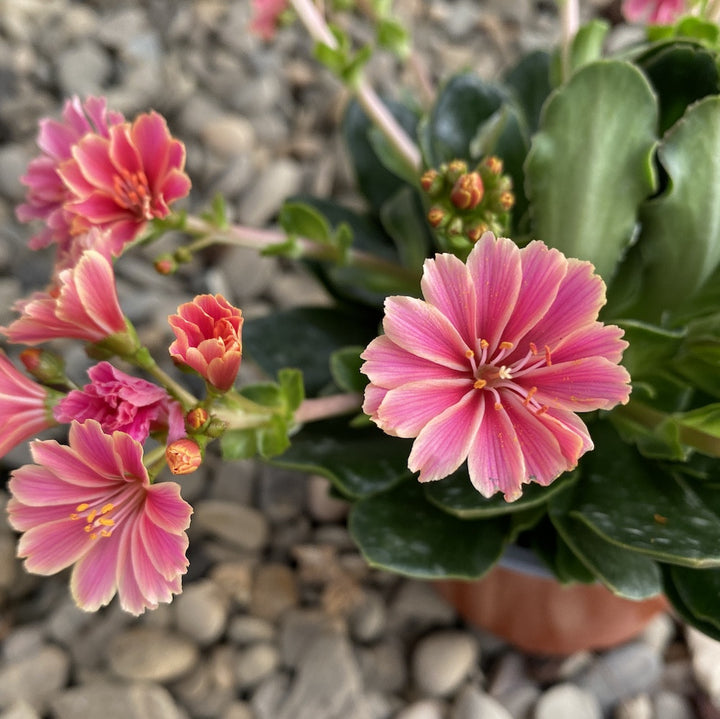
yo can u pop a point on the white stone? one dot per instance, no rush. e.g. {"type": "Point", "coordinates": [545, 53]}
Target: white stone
{"type": "Point", "coordinates": [567, 701]}
{"type": "Point", "coordinates": [442, 660]}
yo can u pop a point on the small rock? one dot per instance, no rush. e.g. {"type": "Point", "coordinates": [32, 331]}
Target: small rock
{"type": "Point", "coordinates": [228, 135]}
{"type": "Point", "coordinates": [268, 697]}
{"type": "Point", "coordinates": [442, 660]}
{"type": "Point", "coordinates": [281, 179]}
{"type": "Point", "coordinates": [282, 494]}
{"type": "Point", "coordinates": [244, 630]}
{"type": "Point", "coordinates": [369, 619]}
{"type": "Point", "coordinates": [623, 672]}
{"type": "Point", "coordinates": [235, 579]}
{"type": "Point", "coordinates": [202, 612]}
{"type": "Point", "coordinates": [83, 69]}
{"type": "Point", "coordinates": [383, 666]}
{"type": "Point", "coordinates": [567, 701]}
{"type": "Point", "coordinates": [426, 709]}
{"type": "Point", "coordinates": [659, 632]}
{"type": "Point", "coordinates": [705, 654]}
{"type": "Point", "coordinates": [417, 607]}
{"type": "Point", "coordinates": [110, 701]}
{"type": "Point", "coordinates": [322, 506]}
{"type": "Point", "coordinates": [637, 707]}
{"type": "Point", "coordinates": [236, 524]}
{"type": "Point", "coordinates": [22, 642]}
{"type": "Point", "coordinates": [473, 703]}
{"type": "Point", "coordinates": [669, 705]}
{"type": "Point", "coordinates": [255, 664]}
{"type": "Point", "coordinates": [146, 653]}
{"type": "Point", "coordinates": [19, 710]}
{"type": "Point", "coordinates": [237, 710]}
{"type": "Point", "coordinates": [298, 627]}
{"type": "Point", "coordinates": [274, 592]}
{"type": "Point", "coordinates": [35, 678]}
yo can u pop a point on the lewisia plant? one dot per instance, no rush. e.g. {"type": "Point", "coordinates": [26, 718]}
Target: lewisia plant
{"type": "Point", "coordinates": [521, 345]}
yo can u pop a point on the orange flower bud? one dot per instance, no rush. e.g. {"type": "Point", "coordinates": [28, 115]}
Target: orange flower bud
{"type": "Point", "coordinates": [429, 180]}
{"type": "Point", "coordinates": [468, 191]}
{"type": "Point", "coordinates": [45, 366]}
{"type": "Point", "coordinates": [165, 265]}
{"type": "Point", "coordinates": [494, 164]}
{"type": "Point", "coordinates": [435, 216]}
{"type": "Point", "coordinates": [197, 417]}
{"type": "Point", "coordinates": [183, 456]}
{"type": "Point", "coordinates": [454, 169]}
{"type": "Point", "coordinates": [506, 200]}
{"type": "Point", "coordinates": [477, 231]}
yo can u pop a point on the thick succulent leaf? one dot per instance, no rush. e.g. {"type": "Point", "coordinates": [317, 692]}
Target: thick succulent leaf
{"type": "Point", "coordinates": [401, 531]}
{"type": "Point", "coordinates": [529, 82]}
{"type": "Point", "coordinates": [680, 237]}
{"type": "Point", "coordinates": [590, 164]}
{"type": "Point", "coordinates": [650, 347]}
{"type": "Point", "coordinates": [305, 338]}
{"type": "Point", "coordinates": [456, 495]}
{"type": "Point", "coordinates": [682, 609]}
{"type": "Point", "coordinates": [637, 504]}
{"type": "Point", "coordinates": [358, 461]}
{"type": "Point", "coordinates": [699, 590]}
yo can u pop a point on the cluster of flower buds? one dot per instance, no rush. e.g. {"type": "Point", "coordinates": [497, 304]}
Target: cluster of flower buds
{"type": "Point", "coordinates": [467, 203]}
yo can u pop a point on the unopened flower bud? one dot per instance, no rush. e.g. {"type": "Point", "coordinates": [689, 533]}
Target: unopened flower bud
{"type": "Point", "coordinates": [165, 265]}
{"type": "Point", "coordinates": [506, 200]}
{"type": "Point", "coordinates": [493, 164]}
{"type": "Point", "coordinates": [468, 191]}
{"type": "Point", "coordinates": [477, 231]}
{"type": "Point", "coordinates": [431, 181]}
{"type": "Point", "coordinates": [47, 367]}
{"type": "Point", "coordinates": [436, 215]}
{"type": "Point", "coordinates": [455, 227]}
{"type": "Point", "coordinates": [183, 456]}
{"type": "Point", "coordinates": [454, 169]}
{"type": "Point", "coordinates": [197, 417]}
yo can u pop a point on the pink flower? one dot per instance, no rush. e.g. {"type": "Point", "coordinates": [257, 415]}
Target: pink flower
{"type": "Point", "coordinates": [493, 364]}
{"type": "Point", "coordinates": [24, 406]}
{"type": "Point", "coordinates": [265, 15]}
{"type": "Point", "coordinates": [653, 12]}
{"type": "Point", "coordinates": [47, 193]}
{"type": "Point", "coordinates": [121, 402]}
{"type": "Point", "coordinates": [207, 332]}
{"type": "Point", "coordinates": [121, 181]}
{"type": "Point", "coordinates": [90, 504]}
{"type": "Point", "coordinates": [183, 456]}
{"type": "Point", "coordinates": [83, 306]}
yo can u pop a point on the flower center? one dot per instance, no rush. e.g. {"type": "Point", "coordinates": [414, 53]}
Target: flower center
{"type": "Point", "coordinates": [132, 192]}
{"type": "Point", "coordinates": [97, 521]}
{"type": "Point", "coordinates": [491, 375]}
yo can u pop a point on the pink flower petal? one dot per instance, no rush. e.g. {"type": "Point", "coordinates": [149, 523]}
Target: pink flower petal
{"type": "Point", "coordinates": [166, 508]}
{"type": "Point", "coordinates": [93, 582]}
{"type": "Point", "coordinates": [595, 340]}
{"type": "Point", "coordinates": [53, 546]}
{"type": "Point", "coordinates": [444, 443]}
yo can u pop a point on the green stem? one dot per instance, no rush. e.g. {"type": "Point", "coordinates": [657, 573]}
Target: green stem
{"type": "Point", "coordinates": [569, 25]}
{"type": "Point", "coordinates": [145, 361]}
{"type": "Point", "coordinates": [261, 239]}
{"type": "Point", "coordinates": [154, 461]}
{"type": "Point", "coordinates": [376, 110]}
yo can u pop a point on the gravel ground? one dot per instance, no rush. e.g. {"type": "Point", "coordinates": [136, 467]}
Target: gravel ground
{"type": "Point", "coordinates": [279, 618]}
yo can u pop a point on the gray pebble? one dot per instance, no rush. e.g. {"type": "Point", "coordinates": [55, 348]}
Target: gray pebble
{"type": "Point", "coordinates": [274, 592]}
{"type": "Point", "coordinates": [442, 660]}
{"type": "Point", "coordinates": [256, 663]}
{"type": "Point", "coordinates": [240, 526]}
{"type": "Point", "coordinates": [202, 611]}
{"type": "Point", "coordinates": [425, 709]}
{"type": "Point", "coordinates": [567, 701]}
{"type": "Point", "coordinates": [276, 183]}
{"type": "Point", "coordinates": [35, 678]}
{"type": "Point", "coordinates": [472, 703]}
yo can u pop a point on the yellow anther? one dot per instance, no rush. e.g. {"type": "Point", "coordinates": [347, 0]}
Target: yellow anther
{"type": "Point", "coordinates": [533, 348]}
{"type": "Point", "coordinates": [107, 508]}
{"type": "Point", "coordinates": [93, 536]}
{"type": "Point", "coordinates": [88, 527]}
{"type": "Point", "coordinates": [74, 516]}
{"type": "Point", "coordinates": [82, 507]}
{"type": "Point", "coordinates": [479, 383]}
{"type": "Point", "coordinates": [91, 516]}
{"type": "Point", "coordinates": [548, 361]}
{"type": "Point", "coordinates": [498, 405]}
{"type": "Point", "coordinates": [469, 354]}
{"type": "Point", "coordinates": [506, 345]}
{"type": "Point", "coordinates": [529, 395]}
{"type": "Point", "coordinates": [105, 533]}
{"type": "Point", "coordinates": [106, 522]}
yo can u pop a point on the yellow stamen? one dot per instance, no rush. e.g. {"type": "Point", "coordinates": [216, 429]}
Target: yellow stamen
{"type": "Point", "coordinates": [479, 383]}
{"type": "Point", "coordinates": [106, 522]}
{"type": "Point", "coordinates": [498, 405]}
{"type": "Point", "coordinates": [91, 516]}
{"type": "Point", "coordinates": [548, 361]}
{"type": "Point", "coordinates": [484, 344]}
{"type": "Point", "coordinates": [529, 395]}
{"type": "Point", "coordinates": [107, 508]}
{"type": "Point", "coordinates": [506, 345]}
{"type": "Point", "coordinates": [82, 507]}
{"type": "Point", "coordinates": [469, 354]}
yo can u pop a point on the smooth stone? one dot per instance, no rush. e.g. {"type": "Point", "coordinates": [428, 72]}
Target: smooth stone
{"type": "Point", "coordinates": [146, 653]}
{"type": "Point", "coordinates": [83, 69]}
{"type": "Point", "coordinates": [669, 705]}
{"type": "Point", "coordinates": [22, 642]}
{"type": "Point", "coordinates": [383, 666]}
{"type": "Point", "coordinates": [280, 180]}
{"type": "Point", "coordinates": [417, 607]}
{"type": "Point", "coordinates": [267, 698]}
{"type": "Point", "coordinates": [20, 710]}
{"type": "Point", "coordinates": [705, 657]}
{"type": "Point", "coordinates": [228, 135]}
{"type": "Point", "coordinates": [637, 707]}
{"type": "Point", "coordinates": [442, 660]}
{"type": "Point", "coordinates": [255, 664]}
{"type": "Point", "coordinates": [238, 710]}
{"type": "Point", "coordinates": [246, 274]}
{"type": "Point", "coordinates": [298, 628]}
{"type": "Point", "coordinates": [244, 630]}
{"type": "Point", "coordinates": [281, 495]}
{"type": "Point", "coordinates": [203, 692]}
{"type": "Point", "coordinates": [235, 579]}
{"type": "Point", "coordinates": [275, 591]}
{"type": "Point", "coordinates": [368, 620]}
{"type": "Point", "coordinates": [623, 672]}
{"type": "Point", "coordinates": [567, 701]}
{"type": "Point", "coordinates": [242, 527]}
{"type": "Point", "coordinates": [425, 709]}
{"type": "Point", "coordinates": [323, 507]}
{"type": "Point", "coordinates": [472, 703]}
{"type": "Point", "coordinates": [112, 701]}
{"type": "Point", "coordinates": [202, 612]}
{"type": "Point", "coordinates": [35, 678]}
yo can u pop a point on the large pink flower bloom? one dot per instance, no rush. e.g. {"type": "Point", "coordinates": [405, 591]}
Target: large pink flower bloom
{"type": "Point", "coordinates": [655, 12]}
{"type": "Point", "coordinates": [24, 406]}
{"type": "Point", "coordinates": [121, 181]}
{"type": "Point", "coordinates": [121, 402]}
{"type": "Point", "coordinates": [493, 364]}
{"type": "Point", "coordinates": [83, 306]}
{"type": "Point", "coordinates": [47, 193]}
{"type": "Point", "coordinates": [90, 504]}
{"type": "Point", "coordinates": [207, 332]}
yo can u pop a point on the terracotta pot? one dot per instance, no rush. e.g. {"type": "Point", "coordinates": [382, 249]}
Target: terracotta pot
{"type": "Point", "coordinates": [538, 614]}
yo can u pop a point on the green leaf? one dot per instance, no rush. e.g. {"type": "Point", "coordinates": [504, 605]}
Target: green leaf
{"type": "Point", "coordinates": [637, 504]}
{"type": "Point", "coordinates": [358, 461]}
{"type": "Point", "coordinates": [529, 82]}
{"type": "Point", "coordinates": [402, 216]}
{"type": "Point", "coordinates": [587, 45]}
{"type": "Point", "coordinates": [626, 573]}
{"type": "Point", "coordinates": [681, 74]}
{"type": "Point", "coordinates": [456, 495]}
{"type": "Point", "coordinates": [302, 220]}
{"type": "Point", "coordinates": [238, 444]}
{"type": "Point", "coordinates": [374, 180]}
{"type": "Point", "coordinates": [684, 612]}
{"type": "Point", "coordinates": [304, 338]}
{"type": "Point", "coordinates": [291, 387]}
{"type": "Point", "coordinates": [650, 347]}
{"type": "Point", "coordinates": [401, 531]}
{"type": "Point", "coordinates": [392, 36]}
{"type": "Point", "coordinates": [345, 366]}
{"type": "Point", "coordinates": [590, 165]}
{"type": "Point", "coordinates": [680, 238]}
{"type": "Point", "coordinates": [699, 590]}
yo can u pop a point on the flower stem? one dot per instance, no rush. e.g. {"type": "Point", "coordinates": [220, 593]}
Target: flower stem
{"type": "Point", "coordinates": [312, 410]}
{"type": "Point", "coordinates": [315, 24]}
{"type": "Point", "coordinates": [186, 399]}
{"type": "Point", "coordinates": [154, 461]}
{"type": "Point", "coordinates": [263, 239]}
{"type": "Point", "coordinates": [569, 25]}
